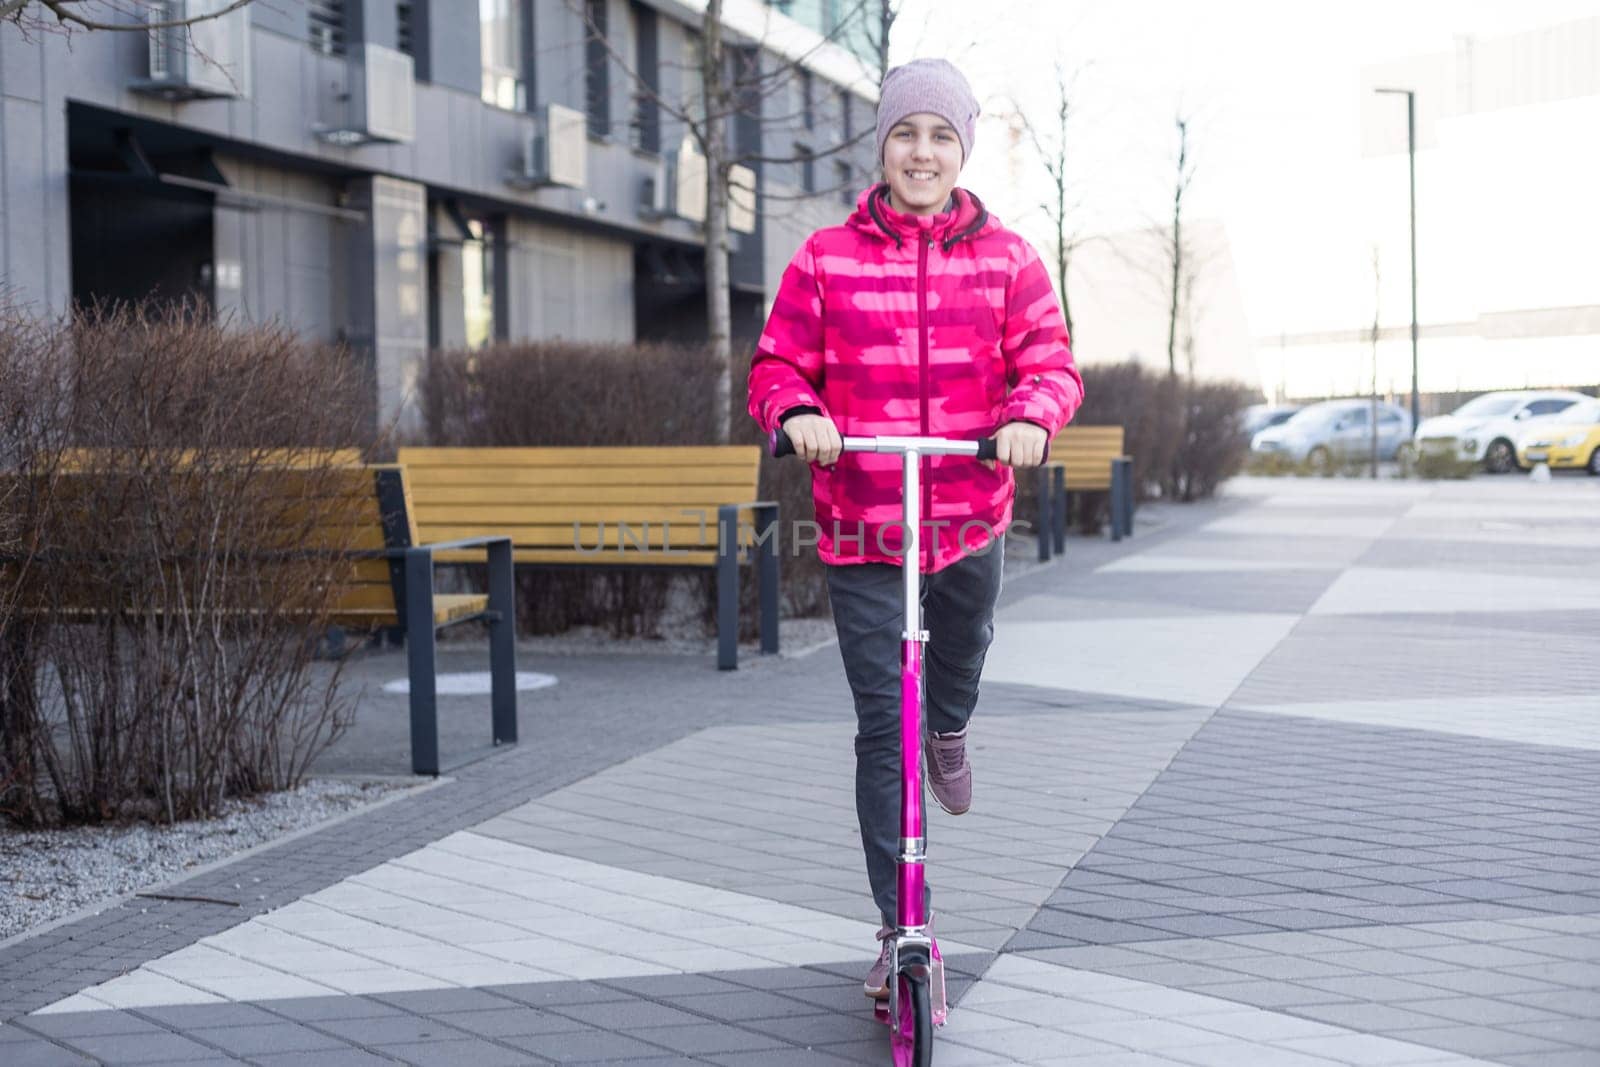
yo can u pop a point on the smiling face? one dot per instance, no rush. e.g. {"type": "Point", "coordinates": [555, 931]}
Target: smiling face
{"type": "Point", "coordinates": [921, 162]}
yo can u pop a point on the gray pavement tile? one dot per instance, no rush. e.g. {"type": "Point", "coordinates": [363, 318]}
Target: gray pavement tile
{"type": "Point", "coordinates": [796, 1057]}
{"type": "Point", "coordinates": [310, 1009]}
{"type": "Point", "coordinates": [1488, 1011]}
{"type": "Point", "coordinates": [1365, 1016]}
{"type": "Point", "coordinates": [584, 1046]}
{"type": "Point", "coordinates": [510, 1022]}
{"type": "Point", "coordinates": [1566, 972]}
{"type": "Point", "coordinates": [1384, 988]}
{"type": "Point", "coordinates": [822, 1029]}
{"type": "Point", "coordinates": [1363, 1050]}
{"type": "Point", "coordinates": [550, 994]}
{"type": "Point", "coordinates": [672, 985]}
{"type": "Point", "coordinates": [1481, 1041]}
{"type": "Point", "coordinates": [389, 1029]}
{"type": "Point", "coordinates": [1578, 1002]}
{"type": "Point", "coordinates": [37, 1052]}
{"type": "Point", "coordinates": [750, 1004]}
{"type": "Point", "coordinates": [706, 1038]}
{"type": "Point", "coordinates": [140, 1048]}
{"type": "Point", "coordinates": [1263, 1026]}
{"type": "Point", "coordinates": [324, 1058]}
{"type": "Point", "coordinates": [626, 1015]}
{"type": "Point", "coordinates": [1234, 1053]}
{"type": "Point", "coordinates": [435, 1001]}
{"type": "Point", "coordinates": [1571, 1058]}
{"type": "Point", "coordinates": [1381, 961]}
{"type": "Point", "coordinates": [1584, 1032]}
{"type": "Point", "coordinates": [270, 1037]}
{"type": "Point", "coordinates": [472, 1051]}
{"type": "Point", "coordinates": [1029, 1043]}
{"type": "Point", "coordinates": [1486, 983]}
{"type": "Point", "coordinates": [84, 1024]}
{"type": "Point", "coordinates": [194, 1016]}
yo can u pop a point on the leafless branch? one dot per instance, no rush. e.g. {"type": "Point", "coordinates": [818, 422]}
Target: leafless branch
{"type": "Point", "coordinates": [65, 17]}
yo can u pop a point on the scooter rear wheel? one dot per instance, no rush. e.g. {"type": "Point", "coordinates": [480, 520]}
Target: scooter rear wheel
{"type": "Point", "coordinates": [911, 1035]}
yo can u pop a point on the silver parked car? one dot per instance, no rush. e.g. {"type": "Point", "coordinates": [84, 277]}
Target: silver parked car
{"type": "Point", "coordinates": [1334, 431]}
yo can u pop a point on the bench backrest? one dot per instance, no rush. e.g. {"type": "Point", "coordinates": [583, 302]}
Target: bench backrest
{"type": "Point", "coordinates": [77, 459]}
{"type": "Point", "coordinates": [1086, 452]}
{"type": "Point", "coordinates": [354, 509]}
{"type": "Point", "coordinates": [578, 505]}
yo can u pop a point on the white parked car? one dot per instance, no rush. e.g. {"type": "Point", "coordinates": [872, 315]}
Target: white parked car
{"type": "Point", "coordinates": [1485, 430]}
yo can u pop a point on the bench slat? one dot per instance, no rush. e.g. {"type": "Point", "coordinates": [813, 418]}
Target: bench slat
{"type": "Point", "coordinates": [439, 497]}
{"type": "Point", "coordinates": [588, 458]}
{"type": "Point", "coordinates": [610, 557]}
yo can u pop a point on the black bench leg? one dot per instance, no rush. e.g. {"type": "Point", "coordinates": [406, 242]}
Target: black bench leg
{"type": "Point", "coordinates": [1119, 489]}
{"type": "Point", "coordinates": [767, 540]}
{"type": "Point", "coordinates": [1044, 515]}
{"type": "Point", "coordinates": [420, 662]}
{"type": "Point", "coordinates": [727, 588]}
{"type": "Point", "coordinates": [1126, 465]}
{"type": "Point", "coordinates": [502, 644]}
{"type": "Point", "coordinates": [1058, 518]}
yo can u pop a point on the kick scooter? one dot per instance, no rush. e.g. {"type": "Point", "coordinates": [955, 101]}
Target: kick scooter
{"type": "Point", "coordinates": [916, 1002]}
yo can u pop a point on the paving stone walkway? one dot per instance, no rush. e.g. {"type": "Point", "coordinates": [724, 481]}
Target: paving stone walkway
{"type": "Point", "coordinates": [1308, 775]}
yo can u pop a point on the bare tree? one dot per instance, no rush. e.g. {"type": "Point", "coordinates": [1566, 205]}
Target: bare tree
{"type": "Point", "coordinates": [729, 89]}
{"type": "Point", "coordinates": [1177, 252]}
{"type": "Point", "coordinates": [67, 15]}
{"type": "Point", "coordinates": [1050, 145]}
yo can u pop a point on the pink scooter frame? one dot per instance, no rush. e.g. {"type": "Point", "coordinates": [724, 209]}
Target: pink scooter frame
{"type": "Point", "coordinates": [913, 953]}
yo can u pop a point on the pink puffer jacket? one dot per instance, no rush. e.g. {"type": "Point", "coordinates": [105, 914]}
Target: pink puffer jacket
{"type": "Point", "coordinates": [943, 326]}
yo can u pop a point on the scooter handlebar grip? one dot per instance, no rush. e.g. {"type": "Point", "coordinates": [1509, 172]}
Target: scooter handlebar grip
{"type": "Point", "coordinates": [781, 445]}
{"type": "Point", "coordinates": [986, 448]}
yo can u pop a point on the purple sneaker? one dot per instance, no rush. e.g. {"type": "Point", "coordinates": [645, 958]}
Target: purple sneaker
{"type": "Point", "coordinates": [877, 984]}
{"type": "Point", "coordinates": [949, 773]}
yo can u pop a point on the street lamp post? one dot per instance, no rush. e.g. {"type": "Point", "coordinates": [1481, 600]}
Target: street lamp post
{"type": "Point", "coordinates": [1411, 152]}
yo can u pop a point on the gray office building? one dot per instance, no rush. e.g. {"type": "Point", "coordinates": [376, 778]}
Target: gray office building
{"type": "Point", "coordinates": [406, 174]}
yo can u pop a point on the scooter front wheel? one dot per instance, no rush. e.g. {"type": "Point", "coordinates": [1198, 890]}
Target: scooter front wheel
{"type": "Point", "coordinates": [911, 1035]}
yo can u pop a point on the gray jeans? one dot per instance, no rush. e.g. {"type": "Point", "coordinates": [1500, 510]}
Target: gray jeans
{"type": "Point", "coordinates": [958, 612]}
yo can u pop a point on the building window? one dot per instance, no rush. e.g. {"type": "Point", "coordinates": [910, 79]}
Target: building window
{"type": "Point", "coordinates": [645, 129]}
{"type": "Point", "coordinates": [325, 26]}
{"type": "Point", "coordinates": [402, 27]}
{"type": "Point", "coordinates": [500, 34]}
{"type": "Point", "coordinates": [596, 69]}
{"type": "Point", "coordinates": [477, 284]}
{"type": "Point", "coordinates": [845, 180]}
{"type": "Point", "coordinates": [807, 164]}
{"type": "Point", "coordinates": [808, 114]}
{"type": "Point", "coordinates": [846, 116]}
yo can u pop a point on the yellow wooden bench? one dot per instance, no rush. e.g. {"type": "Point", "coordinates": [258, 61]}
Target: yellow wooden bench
{"type": "Point", "coordinates": [668, 506]}
{"type": "Point", "coordinates": [363, 514]}
{"type": "Point", "coordinates": [1084, 459]}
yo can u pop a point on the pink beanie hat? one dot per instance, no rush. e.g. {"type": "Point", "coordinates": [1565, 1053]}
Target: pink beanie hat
{"type": "Point", "coordinates": [931, 86]}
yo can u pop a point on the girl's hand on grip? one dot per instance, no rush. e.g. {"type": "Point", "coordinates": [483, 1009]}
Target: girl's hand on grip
{"type": "Point", "coordinates": [816, 439]}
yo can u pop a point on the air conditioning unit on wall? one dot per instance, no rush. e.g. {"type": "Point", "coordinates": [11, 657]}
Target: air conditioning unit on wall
{"type": "Point", "coordinates": [676, 188]}
{"type": "Point", "coordinates": [556, 150]}
{"type": "Point", "coordinates": [209, 58]}
{"type": "Point", "coordinates": [377, 101]}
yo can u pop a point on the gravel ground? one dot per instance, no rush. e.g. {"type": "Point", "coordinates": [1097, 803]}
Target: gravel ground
{"type": "Point", "coordinates": [45, 874]}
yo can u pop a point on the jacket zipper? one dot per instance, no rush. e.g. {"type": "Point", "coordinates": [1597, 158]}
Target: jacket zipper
{"type": "Point", "coordinates": [922, 350]}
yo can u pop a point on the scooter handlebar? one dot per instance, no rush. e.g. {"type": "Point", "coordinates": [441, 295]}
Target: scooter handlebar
{"type": "Point", "coordinates": [782, 446]}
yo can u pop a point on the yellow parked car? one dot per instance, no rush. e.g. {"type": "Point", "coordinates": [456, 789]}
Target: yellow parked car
{"type": "Point", "coordinates": [1570, 440]}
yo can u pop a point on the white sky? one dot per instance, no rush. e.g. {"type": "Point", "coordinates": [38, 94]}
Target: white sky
{"type": "Point", "coordinates": [1273, 91]}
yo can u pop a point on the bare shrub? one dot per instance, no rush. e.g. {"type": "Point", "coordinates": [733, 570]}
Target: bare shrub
{"type": "Point", "coordinates": [179, 519]}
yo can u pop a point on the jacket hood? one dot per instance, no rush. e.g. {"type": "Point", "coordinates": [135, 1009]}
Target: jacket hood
{"type": "Point", "coordinates": [874, 218]}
